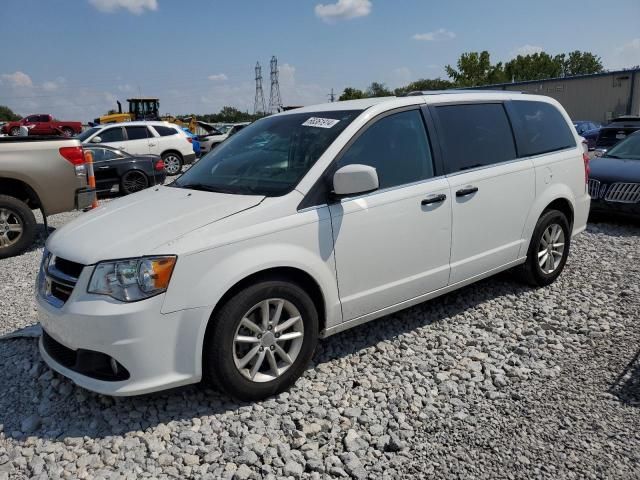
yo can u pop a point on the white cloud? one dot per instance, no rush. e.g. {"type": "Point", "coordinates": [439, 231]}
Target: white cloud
{"type": "Point", "coordinates": [435, 36]}
{"type": "Point", "coordinates": [526, 50]}
{"type": "Point", "coordinates": [343, 10]}
{"type": "Point", "coordinates": [125, 88]}
{"type": "Point", "coordinates": [218, 77]}
{"type": "Point", "coordinates": [626, 56]}
{"type": "Point", "coordinates": [400, 76]}
{"type": "Point", "coordinates": [17, 79]}
{"type": "Point", "coordinates": [136, 7]}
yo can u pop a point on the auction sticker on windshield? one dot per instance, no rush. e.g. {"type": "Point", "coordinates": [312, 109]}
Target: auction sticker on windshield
{"type": "Point", "coordinates": [320, 122]}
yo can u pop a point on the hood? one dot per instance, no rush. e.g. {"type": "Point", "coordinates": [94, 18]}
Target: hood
{"type": "Point", "coordinates": [610, 170]}
{"type": "Point", "coordinates": [136, 225]}
{"type": "Point", "coordinates": [207, 127]}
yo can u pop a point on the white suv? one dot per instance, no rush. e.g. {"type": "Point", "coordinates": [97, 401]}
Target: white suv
{"type": "Point", "coordinates": [143, 138]}
{"type": "Point", "coordinates": [304, 224]}
{"type": "Point", "coordinates": [211, 140]}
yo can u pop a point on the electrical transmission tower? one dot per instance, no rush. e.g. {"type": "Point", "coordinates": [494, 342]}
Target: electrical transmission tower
{"type": "Point", "coordinates": [275, 102]}
{"type": "Point", "coordinates": [259, 106]}
{"type": "Point", "coordinates": [332, 96]}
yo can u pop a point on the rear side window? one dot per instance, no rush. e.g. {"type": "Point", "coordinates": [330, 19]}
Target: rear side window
{"type": "Point", "coordinates": [540, 128]}
{"type": "Point", "coordinates": [137, 133]}
{"type": "Point", "coordinates": [165, 131]}
{"type": "Point", "coordinates": [111, 135]}
{"type": "Point", "coordinates": [474, 135]}
{"type": "Point", "coordinates": [398, 148]}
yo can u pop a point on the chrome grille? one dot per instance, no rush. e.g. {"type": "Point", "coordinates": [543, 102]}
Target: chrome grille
{"type": "Point", "coordinates": [57, 279]}
{"type": "Point", "coordinates": [594, 188]}
{"type": "Point", "coordinates": [622, 192]}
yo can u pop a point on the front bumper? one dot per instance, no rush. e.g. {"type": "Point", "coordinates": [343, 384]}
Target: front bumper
{"type": "Point", "coordinates": [615, 208]}
{"type": "Point", "coordinates": [158, 351]}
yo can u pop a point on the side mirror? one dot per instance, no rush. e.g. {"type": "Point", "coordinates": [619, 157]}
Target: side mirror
{"type": "Point", "coordinates": [356, 178]}
{"type": "Point", "coordinates": [96, 140]}
{"type": "Point", "coordinates": [600, 152]}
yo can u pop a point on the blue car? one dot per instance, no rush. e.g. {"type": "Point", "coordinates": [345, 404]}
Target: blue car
{"type": "Point", "coordinates": [589, 130]}
{"type": "Point", "coordinates": [194, 140]}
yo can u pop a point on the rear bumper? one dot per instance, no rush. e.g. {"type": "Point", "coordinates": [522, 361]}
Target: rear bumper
{"type": "Point", "coordinates": [189, 158]}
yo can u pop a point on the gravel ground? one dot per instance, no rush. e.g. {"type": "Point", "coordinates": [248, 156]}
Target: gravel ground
{"type": "Point", "coordinates": [494, 381]}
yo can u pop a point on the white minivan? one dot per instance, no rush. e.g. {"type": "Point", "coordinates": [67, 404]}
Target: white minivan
{"type": "Point", "coordinates": [302, 225]}
{"type": "Point", "coordinates": [143, 138]}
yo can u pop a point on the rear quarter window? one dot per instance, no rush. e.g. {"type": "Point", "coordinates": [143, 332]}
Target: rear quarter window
{"type": "Point", "coordinates": [165, 131]}
{"type": "Point", "coordinates": [540, 128]}
{"type": "Point", "coordinates": [474, 135]}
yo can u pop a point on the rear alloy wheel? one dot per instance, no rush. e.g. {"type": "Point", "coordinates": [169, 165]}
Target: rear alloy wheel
{"type": "Point", "coordinates": [548, 250]}
{"type": "Point", "coordinates": [172, 163]}
{"type": "Point", "coordinates": [67, 132]}
{"type": "Point", "coordinates": [17, 226]}
{"type": "Point", "coordinates": [133, 181]}
{"type": "Point", "coordinates": [259, 343]}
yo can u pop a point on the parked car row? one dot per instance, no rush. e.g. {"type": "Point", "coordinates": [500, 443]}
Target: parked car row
{"type": "Point", "coordinates": [164, 139]}
{"type": "Point", "coordinates": [602, 137]}
{"type": "Point", "coordinates": [219, 134]}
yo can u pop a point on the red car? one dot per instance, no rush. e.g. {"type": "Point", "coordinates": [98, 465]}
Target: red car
{"type": "Point", "coordinates": [43, 124]}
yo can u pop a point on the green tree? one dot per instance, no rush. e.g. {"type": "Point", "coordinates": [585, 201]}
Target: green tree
{"type": "Point", "coordinates": [533, 67]}
{"type": "Point", "coordinates": [424, 84]}
{"type": "Point", "coordinates": [377, 89]}
{"type": "Point", "coordinates": [581, 63]}
{"type": "Point", "coordinates": [474, 69]}
{"type": "Point", "coordinates": [7, 115]}
{"type": "Point", "coordinates": [351, 93]}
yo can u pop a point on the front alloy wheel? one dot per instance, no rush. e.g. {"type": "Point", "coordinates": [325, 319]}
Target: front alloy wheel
{"type": "Point", "coordinates": [268, 340]}
{"type": "Point", "coordinates": [260, 341]}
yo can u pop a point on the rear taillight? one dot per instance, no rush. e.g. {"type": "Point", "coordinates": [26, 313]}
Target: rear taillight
{"type": "Point", "coordinates": [189, 139]}
{"type": "Point", "coordinates": [75, 155]}
{"type": "Point", "coordinates": [587, 170]}
{"type": "Point", "coordinates": [159, 166]}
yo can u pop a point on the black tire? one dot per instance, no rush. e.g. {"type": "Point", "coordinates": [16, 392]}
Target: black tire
{"type": "Point", "coordinates": [172, 163]}
{"type": "Point", "coordinates": [219, 368]}
{"type": "Point", "coordinates": [68, 132]}
{"type": "Point", "coordinates": [133, 181]}
{"type": "Point", "coordinates": [531, 272]}
{"type": "Point", "coordinates": [14, 132]}
{"type": "Point", "coordinates": [18, 212]}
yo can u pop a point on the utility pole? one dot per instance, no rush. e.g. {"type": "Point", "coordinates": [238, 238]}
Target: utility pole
{"type": "Point", "coordinates": [332, 96]}
{"type": "Point", "coordinates": [275, 102]}
{"type": "Point", "coordinates": [259, 106]}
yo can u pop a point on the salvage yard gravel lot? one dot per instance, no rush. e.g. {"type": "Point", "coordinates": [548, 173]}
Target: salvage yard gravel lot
{"type": "Point", "coordinates": [496, 380]}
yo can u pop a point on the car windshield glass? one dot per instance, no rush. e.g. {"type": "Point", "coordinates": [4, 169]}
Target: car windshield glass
{"type": "Point", "coordinates": [629, 149]}
{"type": "Point", "coordinates": [268, 157]}
{"type": "Point", "coordinates": [87, 133]}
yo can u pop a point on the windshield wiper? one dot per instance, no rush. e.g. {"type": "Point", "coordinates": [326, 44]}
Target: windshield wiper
{"type": "Point", "coordinates": [199, 186]}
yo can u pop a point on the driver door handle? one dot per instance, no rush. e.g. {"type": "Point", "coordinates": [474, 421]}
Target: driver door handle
{"type": "Point", "coordinates": [463, 192]}
{"type": "Point", "coordinates": [434, 199]}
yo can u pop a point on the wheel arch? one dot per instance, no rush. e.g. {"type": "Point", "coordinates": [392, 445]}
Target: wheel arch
{"type": "Point", "coordinates": [293, 275]}
{"type": "Point", "coordinates": [20, 190]}
{"type": "Point", "coordinates": [558, 197]}
{"type": "Point", "coordinates": [172, 150]}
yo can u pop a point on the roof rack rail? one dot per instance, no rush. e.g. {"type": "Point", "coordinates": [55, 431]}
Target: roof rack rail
{"type": "Point", "coordinates": [453, 91]}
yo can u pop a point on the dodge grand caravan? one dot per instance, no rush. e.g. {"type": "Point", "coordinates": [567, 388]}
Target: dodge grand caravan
{"type": "Point", "coordinates": [304, 224]}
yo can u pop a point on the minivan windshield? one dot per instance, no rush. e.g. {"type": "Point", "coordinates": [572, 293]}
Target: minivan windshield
{"type": "Point", "coordinates": [87, 133]}
{"type": "Point", "coordinates": [628, 149]}
{"type": "Point", "coordinates": [270, 156]}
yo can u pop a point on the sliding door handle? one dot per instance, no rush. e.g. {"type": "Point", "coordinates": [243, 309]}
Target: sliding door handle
{"type": "Point", "coordinates": [434, 199]}
{"type": "Point", "coordinates": [463, 192]}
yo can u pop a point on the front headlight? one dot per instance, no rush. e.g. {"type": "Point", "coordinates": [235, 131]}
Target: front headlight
{"type": "Point", "coordinates": [132, 279]}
